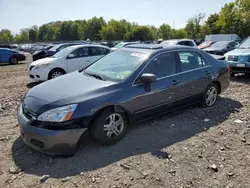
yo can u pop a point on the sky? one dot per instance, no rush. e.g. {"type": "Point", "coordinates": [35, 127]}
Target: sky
{"type": "Point", "coordinates": [17, 14]}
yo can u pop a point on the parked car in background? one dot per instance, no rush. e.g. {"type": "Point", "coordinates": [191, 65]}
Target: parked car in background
{"type": "Point", "coordinates": [5, 46]}
{"type": "Point", "coordinates": [239, 59]}
{"type": "Point", "coordinates": [221, 47]}
{"type": "Point", "coordinates": [42, 53]}
{"type": "Point", "coordinates": [59, 47]}
{"type": "Point", "coordinates": [109, 44]}
{"type": "Point", "coordinates": [223, 37]}
{"type": "Point", "coordinates": [11, 56]}
{"type": "Point", "coordinates": [69, 59]}
{"type": "Point", "coordinates": [123, 44]}
{"type": "Point", "coordinates": [183, 42]}
{"type": "Point", "coordinates": [205, 44]}
{"type": "Point", "coordinates": [127, 86]}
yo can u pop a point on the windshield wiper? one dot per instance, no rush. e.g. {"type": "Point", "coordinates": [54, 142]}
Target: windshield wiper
{"type": "Point", "coordinates": [95, 75]}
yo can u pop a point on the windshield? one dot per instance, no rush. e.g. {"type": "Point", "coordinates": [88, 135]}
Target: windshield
{"type": "Point", "coordinates": [220, 44]}
{"type": "Point", "coordinates": [206, 43]}
{"type": "Point", "coordinates": [55, 47]}
{"type": "Point", "coordinates": [117, 66]}
{"type": "Point", "coordinates": [170, 42]}
{"type": "Point", "coordinates": [245, 44]}
{"type": "Point", "coordinates": [63, 52]}
{"type": "Point", "coordinates": [119, 45]}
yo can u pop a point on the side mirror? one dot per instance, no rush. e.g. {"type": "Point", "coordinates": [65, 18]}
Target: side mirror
{"type": "Point", "coordinates": [236, 46]}
{"type": "Point", "coordinates": [147, 79]}
{"type": "Point", "coordinates": [71, 56]}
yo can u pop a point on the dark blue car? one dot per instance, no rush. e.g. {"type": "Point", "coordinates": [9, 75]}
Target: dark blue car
{"type": "Point", "coordinates": [122, 88]}
{"type": "Point", "coordinates": [11, 56]}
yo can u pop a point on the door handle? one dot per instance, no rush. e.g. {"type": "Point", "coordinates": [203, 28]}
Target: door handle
{"type": "Point", "coordinates": [174, 82]}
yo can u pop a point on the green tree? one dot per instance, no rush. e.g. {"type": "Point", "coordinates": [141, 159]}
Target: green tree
{"type": "Point", "coordinates": [178, 34]}
{"type": "Point", "coordinates": [142, 33]}
{"type": "Point", "coordinates": [6, 36]}
{"type": "Point", "coordinates": [108, 33]}
{"type": "Point", "coordinates": [212, 24]}
{"type": "Point", "coordinates": [93, 28]}
{"type": "Point", "coordinates": [33, 32]}
{"type": "Point", "coordinates": [164, 31]}
{"type": "Point", "coordinates": [193, 26]}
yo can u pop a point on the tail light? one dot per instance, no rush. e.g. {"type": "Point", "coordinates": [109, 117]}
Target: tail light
{"type": "Point", "coordinates": [229, 69]}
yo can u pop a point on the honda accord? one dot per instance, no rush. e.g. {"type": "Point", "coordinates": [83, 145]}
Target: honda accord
{"type": "Point", "coordinates": [125, 87]}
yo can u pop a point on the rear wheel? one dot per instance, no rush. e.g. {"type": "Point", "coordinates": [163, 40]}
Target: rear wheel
{"type": "Point", "coordinates": [13, 61]}
{"type": "Point", "coordinates": [56, 73]}
{"type": "Point", "coordinates": [210, 96]}
{"type": "Point", "coordinates": [109, 127]}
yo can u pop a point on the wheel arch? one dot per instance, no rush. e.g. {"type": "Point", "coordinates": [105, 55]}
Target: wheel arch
{"type": "Point", "coordinates": [55, 68]}
{"type": "Point", "coordinates": [116, 108]}
{"type": "Point", "coordinates": [218, 85]}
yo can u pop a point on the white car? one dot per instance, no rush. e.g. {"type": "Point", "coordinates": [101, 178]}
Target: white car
{"type": "Point", "coordinates": [123, 44]}
{"type": "Point", "coordinates": [65, 61]}
{"type": "Point", "coordinates": [184, 42]}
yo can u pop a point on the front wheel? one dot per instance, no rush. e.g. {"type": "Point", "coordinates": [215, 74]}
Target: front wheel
{"type": "Point", "coordinates": [13, 61]}
{"type": "Point", "coordinates": [210, 96]}
{"type": "Point", "coordinates": [109, 127]}
{"type": "Point", "coordinates": [56, 73]}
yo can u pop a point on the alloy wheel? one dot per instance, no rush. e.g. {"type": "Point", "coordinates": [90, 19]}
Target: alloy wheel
{"type": "Point", "coordinates": [56, 74]}
{"type": "Point", "coordinates": [114, 125]}
{"type": "Point", "coordinates": [211, 96]}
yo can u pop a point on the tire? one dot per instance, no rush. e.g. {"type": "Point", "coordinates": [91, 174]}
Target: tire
{"type": "Point", "coordinates": [205, 102]}
{"type": "Point", "coordinates": [56, 73]}
{"type": "Point", "coordinates": [103, 128]}
{"type": "Point", "coordinates": [13, 61]}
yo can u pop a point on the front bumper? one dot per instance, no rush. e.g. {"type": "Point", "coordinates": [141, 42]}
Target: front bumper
{"type": "Point", "coordinates": [239, 67]}
{"type": "Point", "coordinates": [51, 142]}
{"type": "Point", "coordinates": [38, 75]}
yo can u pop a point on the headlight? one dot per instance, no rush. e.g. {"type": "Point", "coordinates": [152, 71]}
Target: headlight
{"type": "Point", "coordinates": [41, 66]}
{"type": "Point", "coordinates": [58, 114]}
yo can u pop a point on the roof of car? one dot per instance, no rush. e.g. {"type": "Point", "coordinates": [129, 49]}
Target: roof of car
{"type": "Point", "coordinates": [88, 45]}
{"type": "Point", "coordinates": [151, 48]}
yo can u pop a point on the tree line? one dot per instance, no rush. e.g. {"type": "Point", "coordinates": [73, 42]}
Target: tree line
{"type": "Point", "coordinates": [233, 18]}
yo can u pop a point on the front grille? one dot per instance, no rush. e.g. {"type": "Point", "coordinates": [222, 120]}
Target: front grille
{"type": "Point", "coordinates": [31, 67]}
{"type": "Point", "coordinates": [233, 58]}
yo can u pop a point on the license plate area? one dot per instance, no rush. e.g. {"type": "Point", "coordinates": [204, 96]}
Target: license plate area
{"type": "Point", "coordinates": [240, 65]}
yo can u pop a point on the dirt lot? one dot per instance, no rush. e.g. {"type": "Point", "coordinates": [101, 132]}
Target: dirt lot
{"type": "Point", "coordinates": [207, 147]}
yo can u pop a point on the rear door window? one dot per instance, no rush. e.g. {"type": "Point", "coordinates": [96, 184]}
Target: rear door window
{"type": "Point", "coordinates": [96, 51]}
{"type": "Point", "coordinates": [191, 60]}
{"type": "Point", "coordinates": [81, 52]}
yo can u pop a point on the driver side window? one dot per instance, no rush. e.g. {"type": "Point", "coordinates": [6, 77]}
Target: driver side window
{"type": "Point", "coordinates": [80, 52]}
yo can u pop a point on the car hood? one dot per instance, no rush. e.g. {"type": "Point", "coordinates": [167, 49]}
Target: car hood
{"type": "Point", "coordinates": [42, 61]}
{"type": "Point", "coordinates": [213, 49]}
{"type": "Point", "coordinates": [239, 52]}
{"type": "Point", "coordinates": [70, 88]}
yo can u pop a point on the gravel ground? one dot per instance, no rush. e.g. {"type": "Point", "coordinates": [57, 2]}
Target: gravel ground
{"type": "Point", "coordinates": [199, 147]}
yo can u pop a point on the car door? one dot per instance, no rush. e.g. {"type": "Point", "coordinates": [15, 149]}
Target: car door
{"type": "Point", "coordinates": [78, 59]}
{"type": "Point", "coordinates": [196, 74]}
{"type": "Point", "coordinates": [97, 52]}
{"type": "Point", "coordinates": [164, 92]}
